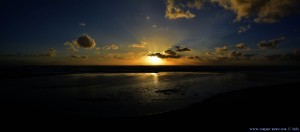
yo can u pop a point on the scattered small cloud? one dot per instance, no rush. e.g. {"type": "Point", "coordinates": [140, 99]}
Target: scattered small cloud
{"type": "Point", "coordinates": [195, 4]}
{"type": "Point", "coordinates": [148, 17]}
{"type": "Point", "coordinates": [194, 58]}
{"type": "Point", "coordinates": [273, 57]}
{"type": "Point", "coordinates": [142, 44]}
{"type": "Point", "coordinates": [160, 55]}
{"type": "Point", "coordinates": [249, 56]}
{"type": "Point", "coordinates": [114, 47]}
{"type": "Point", "coordinates": [263, 11]}
{"type": "Point", "coordinates": [209, 53]}
{"type": "Point", "coordinates": [271, 44]}
{"type": "Point", "coordinates": [86, 41]}
{"type": "Point", "coordinates": [51, 52]}
{"type": "Point", "coordinates": [171, 53]}
{"type": "Point", "coordinates": [176, 11]}
{"type": "Point", "coordinates": [82, 24]}
{"type": "Point", "coordinates": [244, 29]}
{"type": "Point", "coordinates": [241, 46]}
{"type": "Point", "coordinates": [111, 47]}
{"type": "Point", "coordinates": [154, 26]}
{"type": "Point", "coordinates": [110, 56]}
{"type": "Point", "coordinates": [72, 46]}
{"type": "Point", "coordinates": [182, 49]}
{"type": "Point", "coordinates": [221, 49]}
{"type": "Point", "coordinates": [74, 56]}
{"type": "Point", "coordinates": [235, 54]}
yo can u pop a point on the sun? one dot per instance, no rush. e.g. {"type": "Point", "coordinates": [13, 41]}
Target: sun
{"type": "Point", "coordinates": [154, 60]}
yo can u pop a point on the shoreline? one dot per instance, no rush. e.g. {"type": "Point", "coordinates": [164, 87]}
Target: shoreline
{"type": "Point", "coordinates": [270, 105]}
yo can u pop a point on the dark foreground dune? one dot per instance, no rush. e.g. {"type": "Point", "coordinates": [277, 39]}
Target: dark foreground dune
{"type": "Point", "coordinates": [272, 106]}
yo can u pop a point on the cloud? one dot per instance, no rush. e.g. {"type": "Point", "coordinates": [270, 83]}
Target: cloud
{"type": "Point", "coordinates": [221, 49]}
{"type": "Point", "coordinates": [82, 24]}
{"type": "Point", "coordinates": [114, 47]}
{"type": "Point", "coordinates": [209, 53]}
{"type": "Point", "coordinates": [111, 47]}
{"type": "Point", "coordinates": [263, 11]}
{"type": "Point", "coordinates": [271, 44]}
{"type": "Point", "coordinates": [148, 17]}
{"type": "Point", "coordinates": [79, 57]}
{"type": "Point", "coordinates": [171, 53]}
{"type": "Point", "coordinates": [72, 46]}
{"type": "Point", "coordinates": [51, 52]}
{"type": "Point", "coordinates": [244, 29]}
{"type": "Point", "coordinates": [235, 54]}
{"type": "Point", "coordinates": [166, 54]}
{"type": "Point", "coordinates": [194, 58]}
{"type": "Point", "coordinates": [110, 56]}
{"type": "Point", "coordinates": [86, 41]}
{"type": "Point", "coordinates": [249, 56]}
{"type": "Point", "coordinates": [195, 4]}
{"type": "Point", "coordinates": [154, 26]}
{"type": "Point", "coordinates": [182, 49]}
{"type": "Point", "coordinates": [241, 46]}
{"type": "Point", "coordinates": [176, 11]}
{"type": "Point", "coordinates": [139, 45]}
{"type": "Point", "coordinates": [273, 57]}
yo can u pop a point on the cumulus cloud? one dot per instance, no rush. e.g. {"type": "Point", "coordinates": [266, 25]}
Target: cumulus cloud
{"type": "Point", "coordinates": [244, 29]}
{"type": "Point", "coordinates": [177, 11]}
{"type": "Point", "coordinates": [51, 52]}
{"type": "Point", "coordinates": [72, 46]}
{"type": "Point", "coordinates": [221, 49]}
{"type": "Point", "coordinates": [86, 41]}
{"type": "Point", "coordinates": [171, 53]}
{"type": "Point", "coordinates": [235, 54]}
{"type": "Point", "coordinates": [139, 45]}
{"type": "Point", "coordinates": [271, 44]}
{"type": "Point", "coordinates": [114, 47]}
{"type": "Point", "coordinates": [263, 11]}
{"type": "Point", "coordinates": [182, 49]}
{"type": "Point", "coordinates": [241, 46]}
{"type": "Point", "coordinates": [166, 54]}
{"type": "Point", "coordinates": [111, 47]}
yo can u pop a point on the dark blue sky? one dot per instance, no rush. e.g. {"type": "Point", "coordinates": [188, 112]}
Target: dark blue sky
{"type": "Point", "coordinates": [34, 26]}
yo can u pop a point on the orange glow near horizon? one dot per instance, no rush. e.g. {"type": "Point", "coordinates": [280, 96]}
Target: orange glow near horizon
{"type": "Point", "coordinates": [154, 60]}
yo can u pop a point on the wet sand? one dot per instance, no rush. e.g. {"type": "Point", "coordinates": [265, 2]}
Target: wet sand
{"type": "Point", "coordinates": [272, 106]}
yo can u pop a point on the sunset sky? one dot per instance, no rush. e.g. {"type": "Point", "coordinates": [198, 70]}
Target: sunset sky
{"type": "Point", "coordinates": [150, 32]}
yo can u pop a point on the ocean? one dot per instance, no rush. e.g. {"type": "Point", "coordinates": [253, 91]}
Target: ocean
{"type": "Point", "coordinates": [126, 94]}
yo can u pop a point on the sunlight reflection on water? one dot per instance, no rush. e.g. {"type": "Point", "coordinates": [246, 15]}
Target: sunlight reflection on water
{"type": "Point", "coordinates": [130, 94]}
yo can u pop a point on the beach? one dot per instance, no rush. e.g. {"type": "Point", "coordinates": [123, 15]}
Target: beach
{"type": "Point", "coordinates": [250, 98]}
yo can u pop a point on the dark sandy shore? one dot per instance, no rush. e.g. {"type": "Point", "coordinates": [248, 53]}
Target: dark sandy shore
{"type": "Point", "coordinates": [272, 106]}
{"type": "Point", "coordinates": [262, 106]}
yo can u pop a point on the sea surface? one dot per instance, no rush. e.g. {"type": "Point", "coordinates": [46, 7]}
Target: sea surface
{"type": "Point", "coordinates": [130, 94]}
